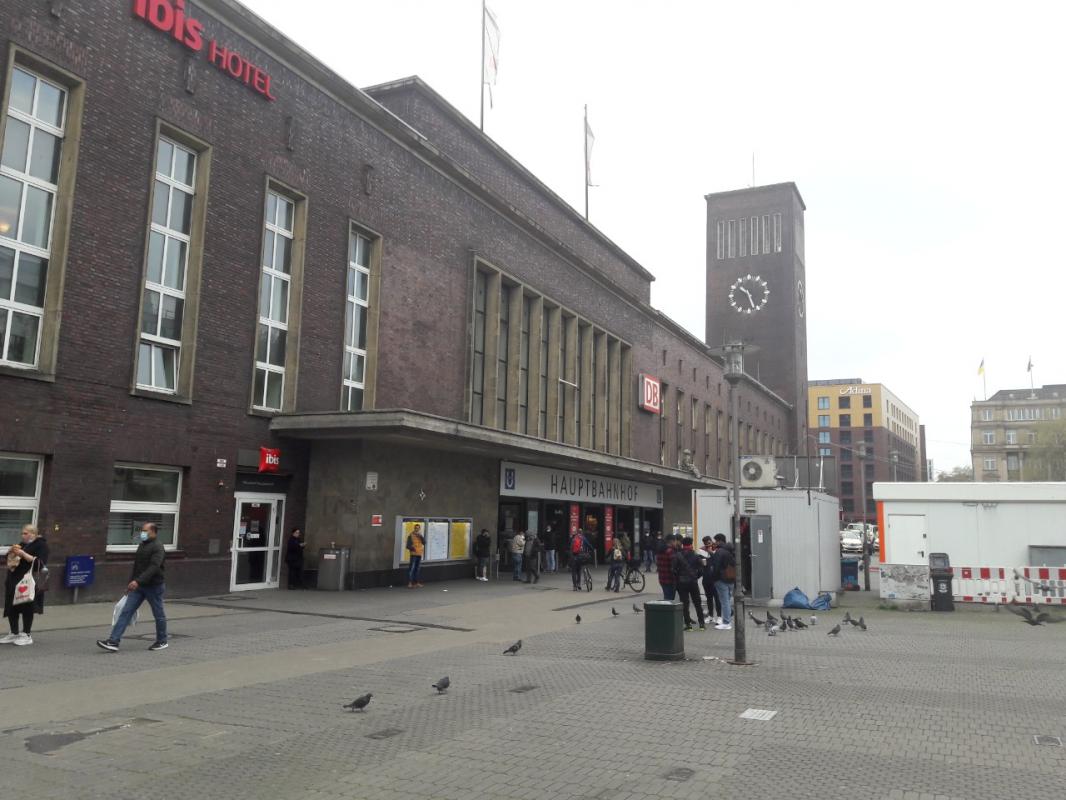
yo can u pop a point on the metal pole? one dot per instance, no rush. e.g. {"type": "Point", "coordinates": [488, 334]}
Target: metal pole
{"type": "Point", "coordinates": [740, 648]}
{"type": "Point", "coordinates": [482, 83]}
{"type": "Point", "coordinates": [585, 138]}
{"type": "Point", "coordinates": [865, 545]}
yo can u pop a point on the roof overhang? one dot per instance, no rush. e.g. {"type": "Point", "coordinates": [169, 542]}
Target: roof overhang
{"type": "Point", "coordinates": [415, 429]}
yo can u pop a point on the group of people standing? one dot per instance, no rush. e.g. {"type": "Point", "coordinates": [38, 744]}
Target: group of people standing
{"type": "Point", "coordinates": [682, 569]}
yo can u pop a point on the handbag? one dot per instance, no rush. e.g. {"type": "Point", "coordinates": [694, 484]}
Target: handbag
{"type": "Point", "coordinates": [25, 590]}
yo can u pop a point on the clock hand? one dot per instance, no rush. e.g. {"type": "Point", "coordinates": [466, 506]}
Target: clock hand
{"type": "Point", "coordinates": [745, 292]}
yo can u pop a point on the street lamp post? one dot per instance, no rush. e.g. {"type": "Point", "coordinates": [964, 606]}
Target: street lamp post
{"type": "Point", "coordinates": [733, 356]}
{"type": "Point", "coordinates": [865, 541]}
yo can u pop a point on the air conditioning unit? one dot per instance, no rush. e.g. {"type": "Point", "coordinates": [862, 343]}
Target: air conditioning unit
{"type": "Point", "coordinates": [758, 472]}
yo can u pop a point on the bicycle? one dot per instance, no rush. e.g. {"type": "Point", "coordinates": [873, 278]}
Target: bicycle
{"type": "Point", "coordinates": [586, 577]}
{"type": "Point", "coordinates": [633, 577]}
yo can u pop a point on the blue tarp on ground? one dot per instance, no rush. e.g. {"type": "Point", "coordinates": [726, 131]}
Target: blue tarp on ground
{"type": "Point", "coordinates": [797, 599]}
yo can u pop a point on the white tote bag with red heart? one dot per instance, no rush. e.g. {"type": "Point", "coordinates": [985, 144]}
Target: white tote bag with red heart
{"type": "Point", "coordinates": [25, 590]}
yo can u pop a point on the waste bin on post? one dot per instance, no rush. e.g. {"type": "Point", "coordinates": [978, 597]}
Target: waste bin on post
{"type": "Point", "coordinates": [333, 568]}
{"type": "Point", "coordinates": [940, 576]}
{"type": "Point", "coordinates": [849, 574]}
{"type": "Point", "coordinates": [664, 639]}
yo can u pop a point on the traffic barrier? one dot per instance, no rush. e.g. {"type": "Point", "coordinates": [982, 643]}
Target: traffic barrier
{"type": "Point", "coordinates": [993, 585]}
{"type": "Point", "coordinates": [1041, 585]}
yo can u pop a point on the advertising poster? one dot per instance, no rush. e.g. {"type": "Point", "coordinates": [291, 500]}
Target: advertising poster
{"type": "Point", "coordinates": [459, 542]}
{"type": "Point", "coordinates": [608, 527]}
{"type": "Point", "coordinates": [437, 540]}
{"type": "Point", "coordinates": [575, 517]}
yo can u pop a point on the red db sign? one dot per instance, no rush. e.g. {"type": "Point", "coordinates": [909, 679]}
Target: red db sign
{"type": "Point", "coordinates": [269, 459]}
{"type": "Point", "coordinates": [651, 394]}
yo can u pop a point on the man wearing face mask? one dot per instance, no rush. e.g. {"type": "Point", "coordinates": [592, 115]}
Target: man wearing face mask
{"type": "Point", "coordinates": [146, 583]}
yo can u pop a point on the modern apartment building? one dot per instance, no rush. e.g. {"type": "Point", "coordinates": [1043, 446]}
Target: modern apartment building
{"type": "Point", "coordinates": [874, 435]}
{"type": "Point", "coordinates": [1007, 426]}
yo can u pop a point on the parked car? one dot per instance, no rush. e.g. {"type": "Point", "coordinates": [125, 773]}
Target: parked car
{"type": "Point", "coordinates": [851, 542]}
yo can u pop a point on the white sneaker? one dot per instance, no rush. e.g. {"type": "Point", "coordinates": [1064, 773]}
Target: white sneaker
{"type": "Point", "coordinates": [23, 639]}
{"type": "Point", "coordinates": [722, 627]}
{"type": "Point", "coordinates": [8, 638]}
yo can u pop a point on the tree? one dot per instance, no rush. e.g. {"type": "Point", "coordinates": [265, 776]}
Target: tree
{"type": "Point", "coordinates": [956, 475]}
{"type": "Point", "coordinates": [1046, 459]}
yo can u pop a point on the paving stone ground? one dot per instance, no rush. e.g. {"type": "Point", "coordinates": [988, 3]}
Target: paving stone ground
{"type": "Point", "coordinates": [920, 706]}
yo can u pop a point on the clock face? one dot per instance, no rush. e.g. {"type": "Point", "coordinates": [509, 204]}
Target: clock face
{"type": "Point", "coordinates": [748, 293]}
{"type": "Point", "coordinates": [801, 299]}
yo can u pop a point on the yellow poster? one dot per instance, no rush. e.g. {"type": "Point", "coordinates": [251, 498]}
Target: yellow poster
{"type": "Point", "coordinates": [406, 530]}
{"type": "Point", "coordinates": [460, 540]}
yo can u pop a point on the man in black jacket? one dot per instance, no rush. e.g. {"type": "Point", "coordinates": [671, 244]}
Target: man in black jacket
{"type": "Point", "coordinates": [723, 568]}
{"type": "Point", "coordinates": [146, 583]}
{"type": "Point", "coordinates": [687, 567]}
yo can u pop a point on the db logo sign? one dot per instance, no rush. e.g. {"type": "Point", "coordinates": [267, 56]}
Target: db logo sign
{"type": "Point", "coordinates": [651, 395]}
{"type": "Point", "coordinates": [269, 459]}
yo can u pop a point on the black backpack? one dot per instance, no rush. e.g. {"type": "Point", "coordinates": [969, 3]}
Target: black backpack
{"type": "Point", "coordinates": [686, 573]}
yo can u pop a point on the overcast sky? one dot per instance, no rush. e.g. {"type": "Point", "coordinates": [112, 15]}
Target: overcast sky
{"type": "Point", "coordinates": [926, 139]}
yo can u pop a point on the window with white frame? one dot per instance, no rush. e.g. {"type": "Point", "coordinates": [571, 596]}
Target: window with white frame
{"type": "Point", "coordinates": [765, 229]}
{"type": "Point", "coordinates": [989, 437]}
{"type": "Point", "coordinates": [720, 240]}
{"type": "Point", "coordinates": [825, 451]}
{"type": "Point", "coordinates": [20, 494]}
{"type": "Point", "coordinates": [777, 233]}
{"type": "Point", "coordinates": [743, 236]}
{"type": "Point", "coordinates": [1012, 437]}
{"type": "Point", "coordinates": [355, 317]}
{"type": "Point", "coordinates": [163, 304]}
{"type": "Point", "coordinates": [990, 464]}
{"type": "Point", "coordinates": [823, 420]}
{"type": "Point", "coordinates": [986, 414]}
{"type": "Point", "coordinates": [274, 288]}
{"type": "Point", "coordinates": [732, 241]}
{"type": "Point", "coordinates": [823, 437]}
{"type": "Point", "coordinates": [754, 231]}
{"type": "Point", "coordinates": [1013, 462]}
{"type": "Point", "coordinates": [29, 177]}
{"type": "Point", "coordinates": [1056, 413]}
{"type": "Point", "coordinates": [823, 403]}
{"type": "Point", "coordinates": [143, 493]}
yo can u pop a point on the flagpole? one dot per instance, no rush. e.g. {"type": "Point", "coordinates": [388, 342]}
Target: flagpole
{"type": "Point", "coordinates": [585, 137]}
{"type": "Point", "coordinates": [482, 84]}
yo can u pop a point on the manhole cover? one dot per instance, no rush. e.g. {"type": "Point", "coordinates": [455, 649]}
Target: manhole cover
{"type": "Point", "coordinates": [758, 713]}
{"type": "Point", "coordinates": [395, 629]}
{"type": "Point", "coordinates": [679, 774]}
{"type": "Point", "coordinates": [1048, 741]}
{"type": "Point", "coordinates": [523, 689]}
{"type": "Point", "coordinates": [388, 733]}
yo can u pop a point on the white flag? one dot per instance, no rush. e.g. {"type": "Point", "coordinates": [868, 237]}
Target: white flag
{"type": "Point", "coordinates": [492, 52]}
{"type": "Point", "coordinates": [590, 139]}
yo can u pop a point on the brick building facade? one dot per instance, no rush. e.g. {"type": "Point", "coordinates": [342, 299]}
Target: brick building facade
{"type": "Point", "coordinates": [212, 245]}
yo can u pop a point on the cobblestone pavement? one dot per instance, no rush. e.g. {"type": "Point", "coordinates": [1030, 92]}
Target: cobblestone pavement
{"type": "Point", "coordinates": [246, 703]}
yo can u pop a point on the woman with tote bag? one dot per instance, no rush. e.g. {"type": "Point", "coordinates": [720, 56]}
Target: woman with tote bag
{"type": "Point", "coordinates": [27, 558]}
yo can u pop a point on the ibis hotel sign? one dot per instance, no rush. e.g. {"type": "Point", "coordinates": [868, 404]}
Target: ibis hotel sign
{"type": "Point", "coordinates": [174, 18]}
{"type": "Point", "coordinates": [542, 483]}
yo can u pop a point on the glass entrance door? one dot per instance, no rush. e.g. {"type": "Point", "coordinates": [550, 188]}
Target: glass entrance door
{"type": "Point", "coordinates": [256, 552]}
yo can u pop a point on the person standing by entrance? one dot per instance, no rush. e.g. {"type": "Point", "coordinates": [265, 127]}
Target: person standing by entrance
{"type": "Point", "coordinates": [686, 568]}
{"type": "Point", "coordinates": [518, 546]}
{"type": "Point", "coordinates": [30, 554]}
{"type": "Point", "coordinates": [146, 583]}
{"type": "Point", "coordinates": [647, 550]}
{"type": "Point", "coordinates": [725, 572]}
{"type": "Point", "coordinates": [416, 548]}
{"type": "Point", "coordinates": [294, 558]}
{"type": "Point", "coordinates": [550, 562]}
{"type": "Point", "coordinates": [482, 551]}
{"type": "Point", "coordinates": [714, 605]}
{"type": "Point", "coordinates": [531, 557]}
{"type": "Point", "coordinates": [663, 560]}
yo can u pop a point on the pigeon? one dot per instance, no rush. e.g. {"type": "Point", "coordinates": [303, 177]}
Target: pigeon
{"type": "Point", "coordinates": [782, 627]}
{"type": "Point", "coordinates": [814, 620]}
{"type": "Point", "coordinates": [614, 611]}
{"type": "Point", "coordinates": [442, 685]}
{"type": "Point", "coordinates": [861, 623]}
{"type": "Point", "coordinates": [1030, 618]}
{"type": "Point", "coordinates": [835, 631]}
{"type": "Point", "coordinates": [756, 620]}
{"type": "Point", "coordinates": [514, 648]}
{"type": "Point", "coordinates": [770, 617]}
{"type": "Point", "coordinates": [577, 619]}
{"type": "Point", "coordinates": [800, 624]}
{"type": "Point", "coordinates": [852, 622]}
{"type": "Point", "coordinates": [847, 617]}
{"type": "Point", "coordinates": [359, 703]}
{"type": "Point", "coordinates": [791, 625]}
{"type": "Point", "coordinates": [637, 609]}
{"type": "Point", "coordinates": [770, 630]}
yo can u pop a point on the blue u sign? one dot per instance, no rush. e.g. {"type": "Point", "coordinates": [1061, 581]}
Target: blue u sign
{"type": "Point", "coordinates": [79, 571]}
{"type": "Point", "coordinates": [509, 478]}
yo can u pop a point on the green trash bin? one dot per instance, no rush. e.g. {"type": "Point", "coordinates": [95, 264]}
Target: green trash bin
{"type": "Point", "coordinates": [664, 637]}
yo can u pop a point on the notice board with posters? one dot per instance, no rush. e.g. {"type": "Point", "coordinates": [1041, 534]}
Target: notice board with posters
{"type": "Point", "coordinates": [447, 539]}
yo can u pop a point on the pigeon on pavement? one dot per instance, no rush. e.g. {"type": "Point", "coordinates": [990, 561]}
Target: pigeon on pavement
{"type": "Point", "coordinates": [514, 648]}
{"type": "Point", "coordinates": [791, 625]}
{"type": "Point", "coordinates": [614, 611]}
{"type": "Point", "coordinates": [770, 630]}
{"type": "Point", "coordinates": [814, 620]}
{"type": "Point", "coordinates": [835, 631]}
{"type": "Point", "coordinates": [442, 685]}
{"type": "Point", "coordinates": [847, 617]}
{"type": "Point", "coordinates": [637, 609]}
{"type": "Point", "coordinates": [861, 623]}
{"type": "Point", "coordinates": [755, 619]}
{"type": "Point", "coordinates": [800, 624]}
{"type": "Point", "coordinates": [852, 622]}
{"type": "Point", "coordinates": [1030, 618]}
{"type": "Point", "coordinates": [770, 617]}
{"type": "Point", "coordinates": [577, 619]}
{"type": "Point", "coordinates": [359, 703]}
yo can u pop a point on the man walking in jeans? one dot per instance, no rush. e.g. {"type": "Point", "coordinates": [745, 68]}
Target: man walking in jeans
{"type": "Point", "coordinates": [146, 583]}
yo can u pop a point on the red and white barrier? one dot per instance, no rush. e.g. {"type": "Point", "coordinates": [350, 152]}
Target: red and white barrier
{"type": "Point", "coordinates": [1041, 586]}
{"type": "Point", "coordinates": [1003, 585]}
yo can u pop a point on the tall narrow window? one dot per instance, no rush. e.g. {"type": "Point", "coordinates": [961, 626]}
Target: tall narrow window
{"type": "Point", "coordinates": [679, 442]}
{"type": "Point", "coordinates": [356, 309]}
{"type": "Point", "coordinates": [732, 238]}
{"type": "Point", "coordinates": [592, 390]}
{"type": "Point", "coordinates": [777, 233]}
{"type": "Point", "coordinates": [766, 233]}
{"type": "Point", "coordinates": [743, 236]}
{"type": "Point", "coordinates": [542, 427]}
{"type": "Point", "coordinates": [561, 388]}
{"type": "Point", "coordinates": [163, 303]}
{"type": "Point", "coordinates": [29, 177]}
{"type": "Point", "coordinates": [523, 369]}
{"type": "Point", "coordinates": [578, 372]}
{"type": "Point", "coordinates": [720, 239]}
{"type": "Point", "coordinates": [664, 424]}
{"type": "Point", "coordinates": [501, 363]}
{"type": "Point", "coordinates": [274, 302]}
{"type": "Point", "coordinates": [707, 417]}
{"type": "Point", "coordinates": [477, 396]}
{"type": "Point", "coordinates": [754, 236]}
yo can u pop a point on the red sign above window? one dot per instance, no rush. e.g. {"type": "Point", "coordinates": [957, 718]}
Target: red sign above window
{"type": "Point", "coordinates": [269, 459]}
{"type": "Point", "coordinates": [169, 16]}
{"type": "Point", "coordinates": [651, 394]}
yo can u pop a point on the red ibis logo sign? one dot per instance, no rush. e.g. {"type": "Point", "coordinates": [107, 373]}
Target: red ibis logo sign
{"type": "Point", "coordinates": [172, 17]}
{"type": "Point", "coordinates": [269, 459]}
{"type": "Point", "coordinates": [651, 394]}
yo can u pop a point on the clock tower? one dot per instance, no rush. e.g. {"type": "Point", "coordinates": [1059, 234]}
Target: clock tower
{"type": "Point", "coordinates": [756, 289]}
